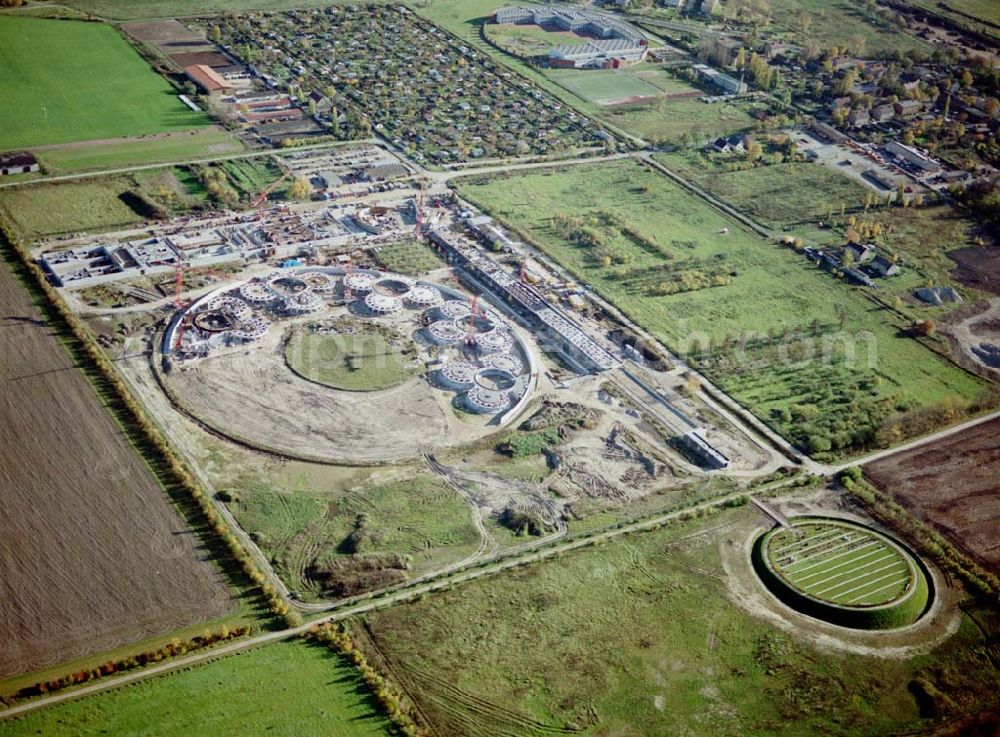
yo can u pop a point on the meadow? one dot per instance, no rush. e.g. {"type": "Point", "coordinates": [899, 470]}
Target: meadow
{"type": "Point", "coordinates": [796, 345]}
{"type": "Point", "coordinates": [88, 84]}
{"type": "Point", "coordinates": [40, 210]}
{"type": "Point", "coordinates": [286, 689]}
{"type": "Point", "coordinates": [979, 15]}
{"type": "Point", "coordinates": [841, 23]}
{"type": "Point", "coordinates": [777, 195]}
{"type": "Point", "coordinates": [673, 121]}
{"type": "Point", "coordinates": [419, 519]}
{"type": "Point", "coordinates": [530, 40]}
{"type": "Point", "coordinates": [411, 257]}
{"type": "Point", "coordinates": [643, 638]}
{"type": "Point", "coordinates": [190, 145]}
{"type": "Point", "coordinates": [361, 363]}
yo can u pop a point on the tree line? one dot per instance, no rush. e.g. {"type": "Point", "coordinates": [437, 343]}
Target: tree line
{"type": "Point", "coordinates": [396, 707]}
{"type": "Point", "coordinates": [931, 543]}
{"type": "Point", "coordinates": [148, 439]}
{"type": "Point", "coordinates": [172, 649]}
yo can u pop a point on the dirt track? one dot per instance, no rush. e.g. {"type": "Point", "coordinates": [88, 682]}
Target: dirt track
{"type": "Point", "coordinates": [953, 484]}
{"type": "Point", "coordinates": [92, 552]}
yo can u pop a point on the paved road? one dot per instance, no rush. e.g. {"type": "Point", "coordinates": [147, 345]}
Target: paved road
{"type": "Point", "coordinates": [182, 162]}
{"type": "Point", "coordinates": [940, 435]}
{"type": "Point", "coordinates": [679, 27]}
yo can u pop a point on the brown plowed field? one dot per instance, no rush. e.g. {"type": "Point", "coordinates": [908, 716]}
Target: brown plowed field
{"type": "Point", "coordinates": [953, 484]}
{"type": "Point", "coordinates": [978, 267]}
{"type": "Point", "coordinates": [92, 554]}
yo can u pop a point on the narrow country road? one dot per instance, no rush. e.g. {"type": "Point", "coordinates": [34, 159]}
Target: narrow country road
{"type": "Point", "coordinates": [360, 608]}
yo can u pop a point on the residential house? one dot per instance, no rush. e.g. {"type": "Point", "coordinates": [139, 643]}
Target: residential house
{"type": "Point", "coordinates": [883, 267]}
{"type": "Point", "coordinates": [17, 162]}
{"type": "Point", "coordinates": [861, 253]}
{"type": "Point", "coordinates": [858, 117]}
{"type": "Point", "coordinates": [908, 108]}
{"type": "Point", "coordinates": [883, 113]}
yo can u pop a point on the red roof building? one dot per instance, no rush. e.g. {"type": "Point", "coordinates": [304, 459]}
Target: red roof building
{"type": "Point", "coordinates": [207, 78]}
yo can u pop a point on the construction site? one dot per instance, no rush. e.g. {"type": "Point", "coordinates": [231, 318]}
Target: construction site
{"type": "Point", "coordinates": [277, 340]}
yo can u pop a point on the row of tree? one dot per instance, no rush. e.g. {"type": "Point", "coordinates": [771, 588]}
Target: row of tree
{"type": "Point", "coordinates": [397, 707]}
{"type": "Point", "coordinates": [931, 543]}
{"type": "Point", "coordinates": [171, 471]}
{"type": "Point", "coordinates": [172, 649]}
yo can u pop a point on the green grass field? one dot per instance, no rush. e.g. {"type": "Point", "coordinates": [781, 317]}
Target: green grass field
{"type": "Point", "coordinates": [643, 638]}
{"type": "Point", "coordinates": [49, 209]}
{"type": "Point", "coordinates": [778, 195]}
{"type": "Point", "coordinates": [419, 517]}
{"type": "Point", "coordinates": [530, 40]}
{"type": "Point", "coordinates": [984, 13]}
{"type": "Point", "coordinates": [287, 689]}
{"type": "Point", "coordinates": [362, 362]}
{"type": "Point", "coordinates": [839, 22]}
{"type": "Point", "coordinates": [412, 257]}
{"type": "Point", "coordinates": [197, 144]}
{"type": "Point", "coordinates": [88, 84]}
{"type": "Point", "coordinates": [671, 121]}
{"type": "Point", "coordinates": [693, 278]}
{"type": "Point", "coordinates": [605, 86]}
{"type": "Point", "coordinates": [845, 566]}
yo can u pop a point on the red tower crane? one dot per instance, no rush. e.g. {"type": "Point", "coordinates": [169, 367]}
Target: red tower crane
{"type": "Point", "coordinates": [262, 196]}
{"type": "Point", "coordinates": [419, 230]}
{"type": "Point", "coordinates": [474, 312]}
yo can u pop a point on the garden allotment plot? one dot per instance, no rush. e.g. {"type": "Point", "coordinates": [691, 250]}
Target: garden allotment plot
{"type": "Point", "coordinates": [848, 566]}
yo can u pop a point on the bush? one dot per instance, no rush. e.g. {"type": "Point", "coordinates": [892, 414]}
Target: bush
{"type": "Point", "coordinates": [522, 446]}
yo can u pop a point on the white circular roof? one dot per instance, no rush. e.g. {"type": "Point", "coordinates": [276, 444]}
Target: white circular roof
{"type": "Point", "coordinates": [382, 304]}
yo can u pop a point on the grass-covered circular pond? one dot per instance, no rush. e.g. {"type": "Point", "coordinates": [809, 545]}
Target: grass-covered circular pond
{"type": "Point", "coordinates": [843, 572]}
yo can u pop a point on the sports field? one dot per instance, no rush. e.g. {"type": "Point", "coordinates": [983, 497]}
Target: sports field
{"type": "Point", "coordinates": [604, 88]}
{"type": "Point", "coordinates": [72, 81]}
{"type": "Point", "coordinates": [287, 689]}
{"type": "Point", "coordinates": [849, 566]}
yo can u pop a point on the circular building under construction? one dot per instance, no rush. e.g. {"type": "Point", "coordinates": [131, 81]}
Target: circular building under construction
{"type": "Point", "coordinates": [454, 309]}
{"type": "Point", "coordinates": [258, 294]}
{"type": "Point", "coordinates": [382, 304]}
{"type": "Point", "coordinates": [231, 393]}
{"type": "Point", "coordinates": [445, 332]}
{"type": "Point", "coordinates": [459, 375]}
{"type": "Point", "coordinates": [422, 297]}
{"type": "Point", "coordinates": [359, 282]}
{"type": "Point", "coordinates": [319, 281]}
